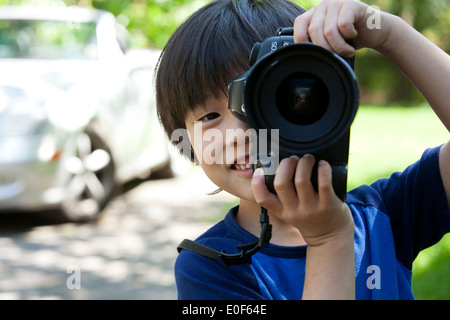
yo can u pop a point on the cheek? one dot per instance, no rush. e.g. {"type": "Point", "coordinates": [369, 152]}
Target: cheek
{"type": "Point", "coordinates": [218, 175]}
{"type": "Point", "coordinates": [195, 144]}
{"type": "Point", "coordinates": [208, 146]}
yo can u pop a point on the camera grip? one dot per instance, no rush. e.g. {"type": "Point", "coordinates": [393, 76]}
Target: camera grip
{"type": "Point", "coordinates": [339, 179]}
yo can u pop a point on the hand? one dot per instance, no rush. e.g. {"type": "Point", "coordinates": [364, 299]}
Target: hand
{"type": "Point", "coordinates": [332, 22]}
{"type": "Point", "coordinates": [321, 216]}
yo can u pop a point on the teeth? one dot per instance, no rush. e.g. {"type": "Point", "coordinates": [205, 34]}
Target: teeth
{"type": "Point", "coordinates": [243, 166]}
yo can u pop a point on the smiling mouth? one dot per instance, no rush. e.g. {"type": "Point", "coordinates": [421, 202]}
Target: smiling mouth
{"type": "Point", "coordinates": [241, 166]}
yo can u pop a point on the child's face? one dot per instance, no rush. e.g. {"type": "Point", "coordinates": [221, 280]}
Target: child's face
{"type": "Point", "coordinates": [221, 145]}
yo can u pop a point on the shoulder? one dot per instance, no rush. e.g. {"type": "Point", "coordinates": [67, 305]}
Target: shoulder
{"type": "Point", "coordinates": [411, 204]}
{"type": "Point", "coordinates": [420, 182]}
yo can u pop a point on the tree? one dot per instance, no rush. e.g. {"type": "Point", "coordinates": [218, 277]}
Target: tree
{"type": "Point", "coordinates": [152, 22]}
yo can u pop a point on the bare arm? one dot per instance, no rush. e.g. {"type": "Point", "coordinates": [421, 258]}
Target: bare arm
{"type": "Point", "coordinates": [330, 270]}
{"type": "Point", "coordinates": [421, 61]}
{"type": "Point", "coordinates": [428, 68]}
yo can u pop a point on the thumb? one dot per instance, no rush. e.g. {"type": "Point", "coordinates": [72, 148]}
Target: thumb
{"type": "Point", "coordinates": [262, 195]}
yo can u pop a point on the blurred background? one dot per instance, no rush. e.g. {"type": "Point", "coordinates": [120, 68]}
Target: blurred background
{"type": "Point", "coordinates": [93, 201]}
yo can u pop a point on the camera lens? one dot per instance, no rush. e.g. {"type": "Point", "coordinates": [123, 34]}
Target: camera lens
{"type": "Point", "coordinates": [302, 98]}
{"type": "Point", "coordinates": [304, 91]}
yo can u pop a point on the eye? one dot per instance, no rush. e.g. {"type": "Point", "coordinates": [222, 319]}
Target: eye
{"type": "Point", "coordinates": [210, 116]}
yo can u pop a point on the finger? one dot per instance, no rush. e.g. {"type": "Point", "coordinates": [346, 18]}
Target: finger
{"type": "Point", "coordinates": [301, 24]}
{"type": "Point", "coordinates": [346, 21]}
{"type": "Point", "coordinates": [332, 33]}
{"type": "Point", "coordinates": [324, 180]}
{"type": "Point", "coordinates": [302, 180]}
{"type": "Point", "coordinates": [283, 181]}
{"type": "Point", "coordinates": [315, 28]}
{"type": "Point", "coordinates": [262, 195]}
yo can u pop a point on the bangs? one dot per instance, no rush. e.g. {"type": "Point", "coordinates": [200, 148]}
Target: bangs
{"type": "Point", "coordinates": [209, 50]}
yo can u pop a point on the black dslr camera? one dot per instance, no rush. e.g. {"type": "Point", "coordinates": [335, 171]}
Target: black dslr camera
{"type": "Point", "coordinates": [308, 93]}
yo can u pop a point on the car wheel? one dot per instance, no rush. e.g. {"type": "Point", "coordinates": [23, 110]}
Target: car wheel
{"type": "Point", "coordinates": [91, 184]}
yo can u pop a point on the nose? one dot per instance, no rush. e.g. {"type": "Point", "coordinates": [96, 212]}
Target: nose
{"type": "Point", "coordinates": [237, 140]}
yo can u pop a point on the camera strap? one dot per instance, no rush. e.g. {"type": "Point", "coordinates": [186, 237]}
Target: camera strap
{"type": "Point", "coordinates": [246, 251]}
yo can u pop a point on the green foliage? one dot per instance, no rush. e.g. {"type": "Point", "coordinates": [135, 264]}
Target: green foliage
{"type": "Point", "coordinates": [431, 279]}
{"type": "Point", "coordinates": [380, 82]}
{"type": "Point", "coordinates": [388, 139]}
{"type": "Point", "coordinates": [432, 18]}
{"type": "Point", "coordinates": [153, 21]}
{"type": "Point", "coordinates": [150, 22]}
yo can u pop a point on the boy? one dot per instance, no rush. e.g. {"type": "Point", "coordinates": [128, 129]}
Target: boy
{"type": "Point", "coordinates": [321, 247]}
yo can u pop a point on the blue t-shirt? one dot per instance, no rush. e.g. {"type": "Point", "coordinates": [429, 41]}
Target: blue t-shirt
{"type": "Point", "coordinates": [394, 218]}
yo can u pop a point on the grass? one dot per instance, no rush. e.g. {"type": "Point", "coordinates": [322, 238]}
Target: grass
{"type": "Point", "coordinates": [388, 139]}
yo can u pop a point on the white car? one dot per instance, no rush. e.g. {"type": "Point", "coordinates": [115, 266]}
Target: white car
{"type": "Point", "coordinates": [77, 111]}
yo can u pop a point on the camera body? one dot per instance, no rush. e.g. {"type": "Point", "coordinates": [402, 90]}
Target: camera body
{"type": "Point", "coordinates": [308, 94]}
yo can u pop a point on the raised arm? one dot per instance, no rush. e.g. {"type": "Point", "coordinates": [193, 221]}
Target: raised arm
{"type": "Point", "coordinates": [426, 65]}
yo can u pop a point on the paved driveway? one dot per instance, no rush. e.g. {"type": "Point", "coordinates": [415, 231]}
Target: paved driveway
{"type": "Point", "coordinates": [128, 254]}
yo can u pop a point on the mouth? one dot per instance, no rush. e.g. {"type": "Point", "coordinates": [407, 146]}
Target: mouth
{"type": "Point", "coordinates": [241, 166]}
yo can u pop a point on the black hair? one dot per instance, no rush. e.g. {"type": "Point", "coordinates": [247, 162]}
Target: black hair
{"type": "Point", "coordinates": [209, 49]}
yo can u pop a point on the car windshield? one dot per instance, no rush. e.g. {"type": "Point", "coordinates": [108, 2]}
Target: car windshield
{"type": "Point", "coordinates": [35, 39]}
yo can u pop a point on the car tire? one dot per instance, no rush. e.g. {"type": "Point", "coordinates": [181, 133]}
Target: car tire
{"type": "Point", "coordinates": [91, 185]}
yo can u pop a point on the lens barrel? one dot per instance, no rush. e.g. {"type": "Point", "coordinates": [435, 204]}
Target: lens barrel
{"type": "Point", "coordinates": [307, 92]}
